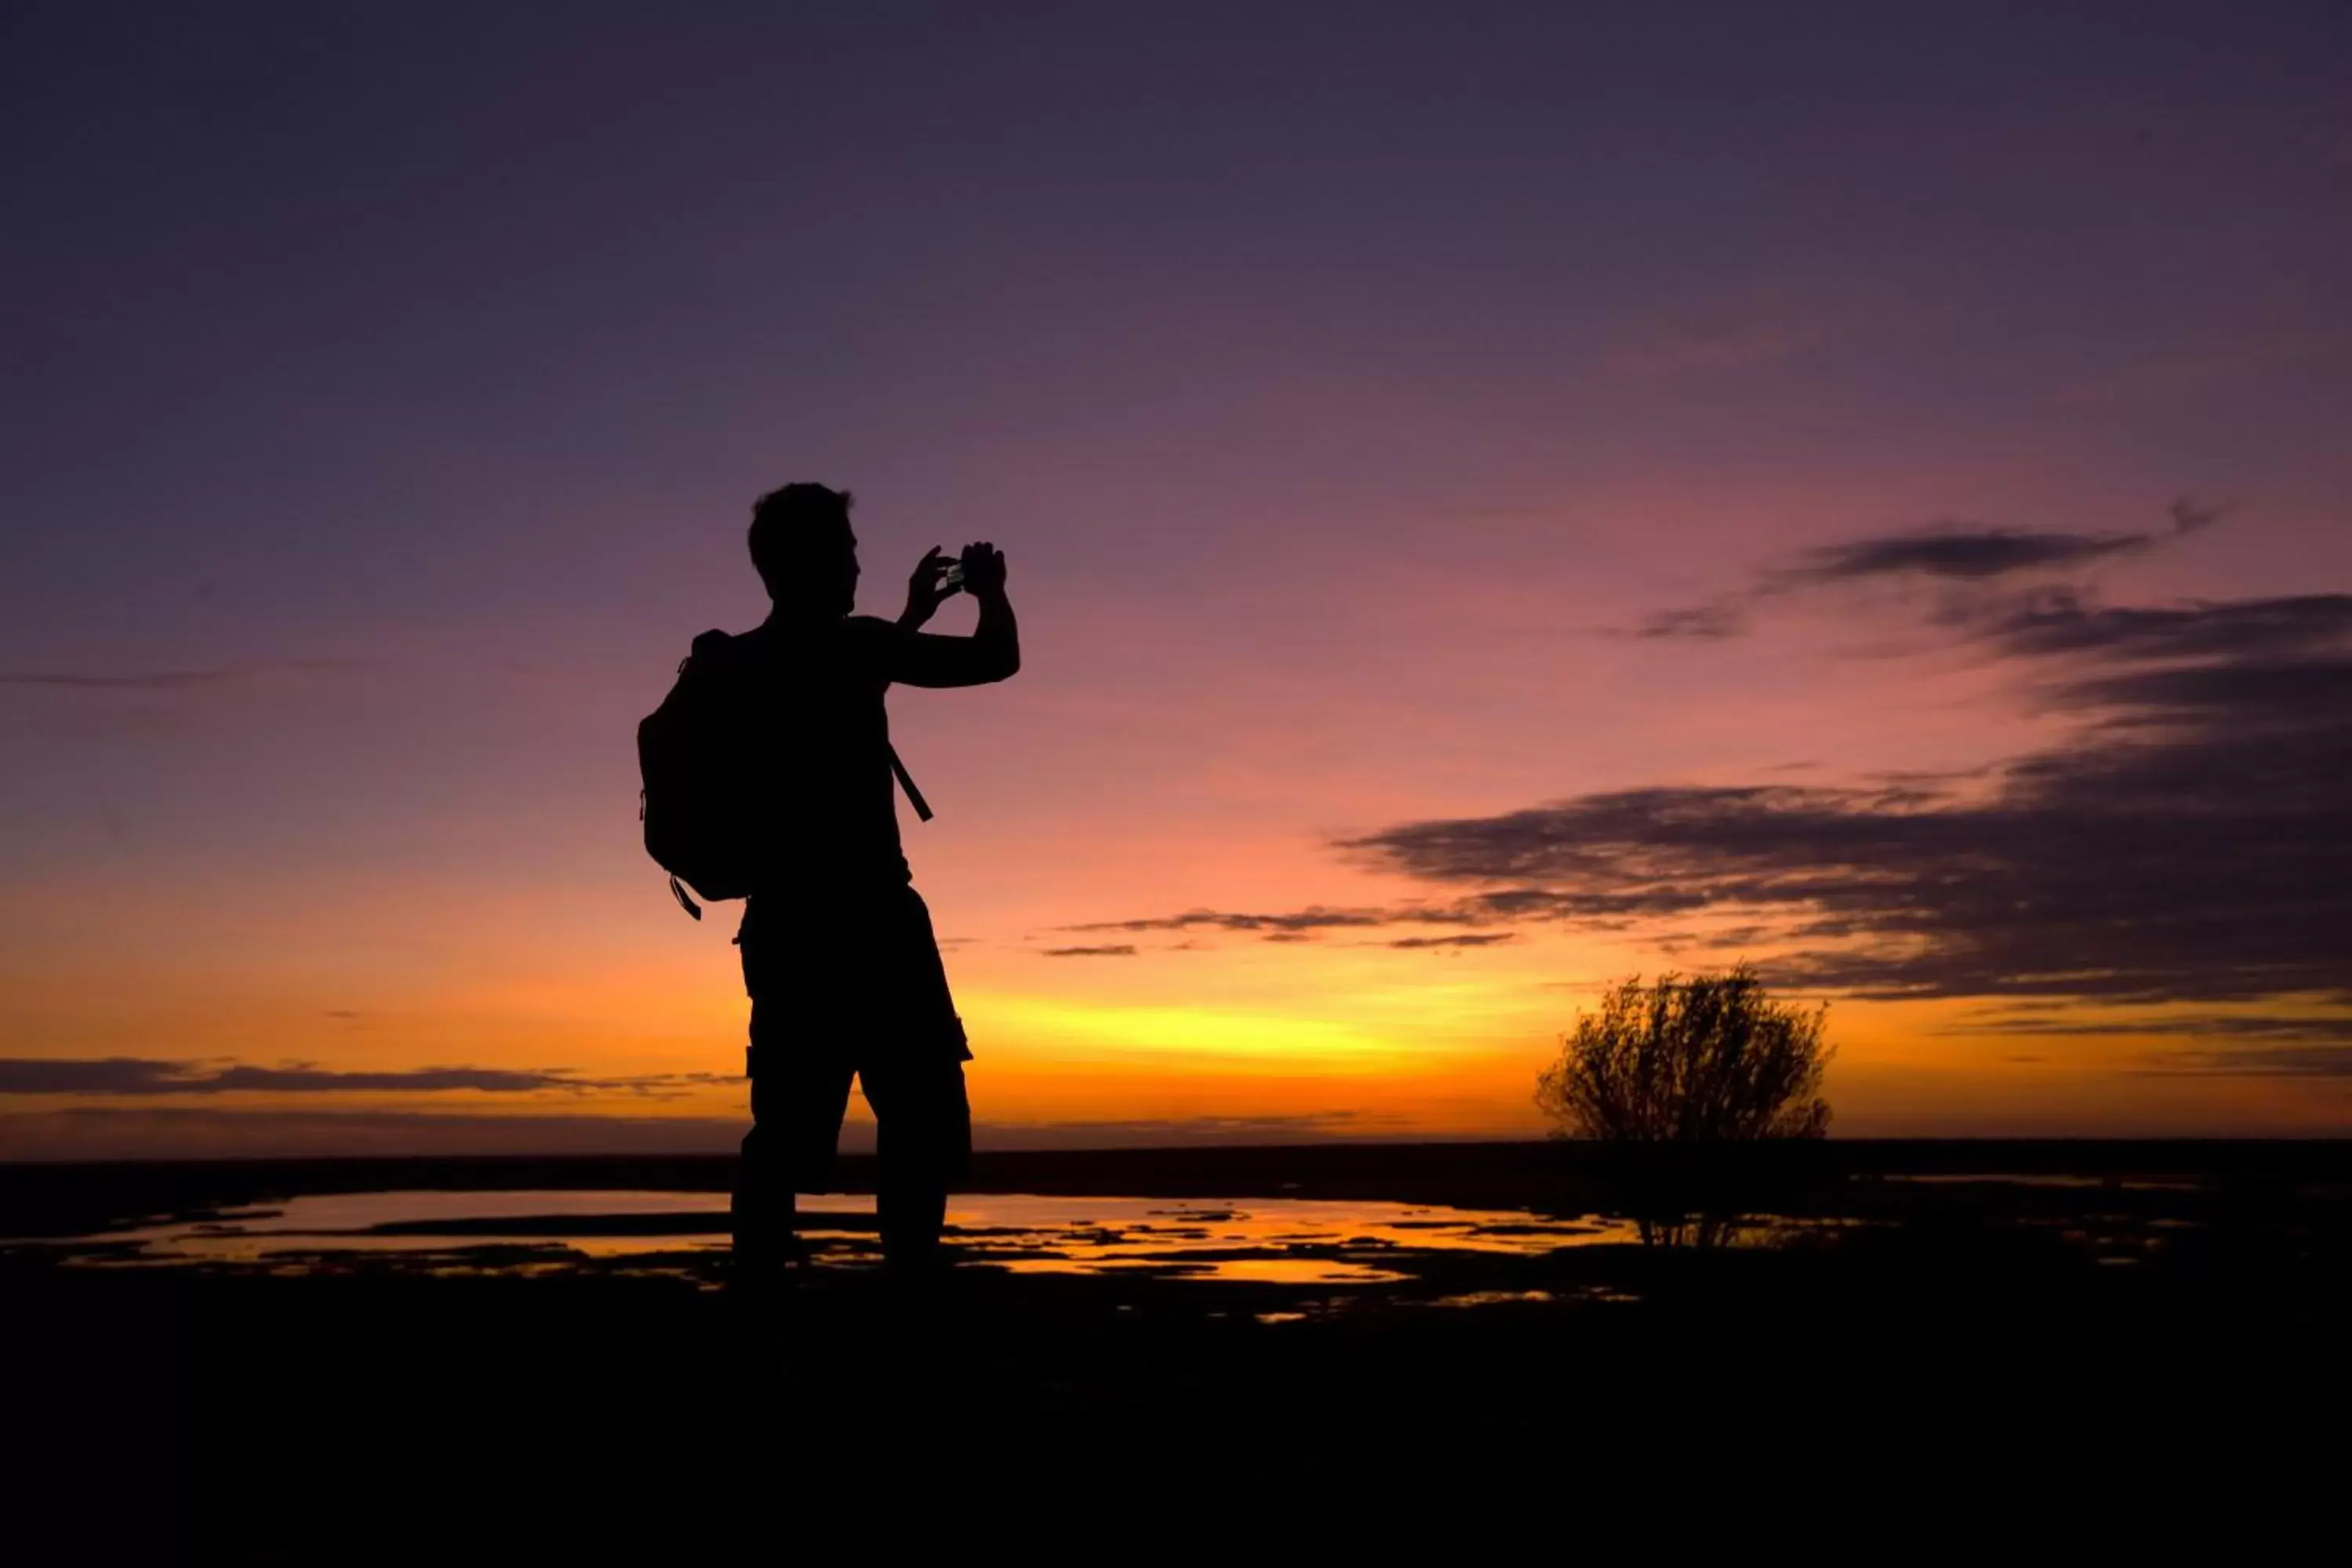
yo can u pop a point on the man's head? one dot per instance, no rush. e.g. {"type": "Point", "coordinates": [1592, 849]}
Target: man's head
{"type": "Point", "coordinates": [802, 543]}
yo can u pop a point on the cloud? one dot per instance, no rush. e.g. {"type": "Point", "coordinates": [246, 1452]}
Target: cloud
{"type": "Point", "coordinates": [1734, 332]}
{"type": "Point", "coordinates": [143, 1076]}
{"type": "Point", "coordinates": [182, 1133]}
{"type": "Point", "coordinates": [2263, 1061]}
{"type": "Point", "coordinates": [2293, 1029]}
{"type": "Point", "coordinates": [2188, 514]}
{"type": "Point", "coordinates": [2188, 368]}
{"type": "Point", "coordinates": [1971, 555]}
{"type": "Point", "coordinates": [187, 1133]}
{"type": "Point", "coordinates": [1962, 556]}
{"type": "Point", "coordinates": [1180, 1132]}
{"type": "Point", "coordinates": [2192, 842]}
{"type": "Point", "coordinates": [1304, 925]}
{"type": "Point", "coordinates": [2060, 622]}
{"type": "Point", "coordinates": [1485, 907]}
{"type": "Point", "coordinates": [1724, 618]}
{"type": "Point", "coordinates": [154, 680]}
{"type": "Point", "coordinates": [2268, 1044]}
{"type": "Point", "coordinates": [169, 679]}
{"type": "Point", "coordinates": [1313, 919]}
{"type": "Point", "coordinates": [1115, 950]}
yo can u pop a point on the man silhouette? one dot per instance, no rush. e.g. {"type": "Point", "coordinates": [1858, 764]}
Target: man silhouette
{"type": "Point", "coordinates": [838, 955]}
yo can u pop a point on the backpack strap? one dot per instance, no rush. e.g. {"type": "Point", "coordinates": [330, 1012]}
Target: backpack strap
{"type": "Point", "coordinates": [914, 797]}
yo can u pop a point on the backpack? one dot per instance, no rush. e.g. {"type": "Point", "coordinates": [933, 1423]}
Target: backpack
{"type": "Point", "coordinates": [697, 757]}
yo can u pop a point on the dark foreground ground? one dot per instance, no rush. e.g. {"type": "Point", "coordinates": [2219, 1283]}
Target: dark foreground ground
{"type": "Point", "coordinates": [2156, 1343]}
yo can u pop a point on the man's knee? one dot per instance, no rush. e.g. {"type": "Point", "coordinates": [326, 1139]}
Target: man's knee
{"type": "Point", "coordinates": [925, 1137]}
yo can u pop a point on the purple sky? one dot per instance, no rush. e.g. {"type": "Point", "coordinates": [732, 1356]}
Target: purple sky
{"type": "Point", "coordinates": [385, 387]}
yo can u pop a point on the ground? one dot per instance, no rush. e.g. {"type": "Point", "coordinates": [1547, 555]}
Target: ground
{"type": "Point", "coordinates": [2140, 1335]}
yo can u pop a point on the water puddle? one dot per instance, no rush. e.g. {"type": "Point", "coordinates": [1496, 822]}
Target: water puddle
{"type": "Point", "coordinates": [1290, 1241]}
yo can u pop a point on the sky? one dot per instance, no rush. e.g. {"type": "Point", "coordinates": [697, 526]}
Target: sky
{"type": "Point", "coordinates": [1498, 498]}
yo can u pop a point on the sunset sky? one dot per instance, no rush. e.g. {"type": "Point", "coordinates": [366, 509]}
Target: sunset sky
{"type": "Point", "coordinates": [1497, 498]}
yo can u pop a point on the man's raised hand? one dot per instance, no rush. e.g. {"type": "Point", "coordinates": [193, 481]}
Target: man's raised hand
{"type": "Point", "coordinates": [984, 568]}
{"type": "Point", "coordinates": [925, 591]}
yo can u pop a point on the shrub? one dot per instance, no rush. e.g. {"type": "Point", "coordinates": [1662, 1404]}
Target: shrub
{"type": "Point", "coordinates": [1672, 1071]}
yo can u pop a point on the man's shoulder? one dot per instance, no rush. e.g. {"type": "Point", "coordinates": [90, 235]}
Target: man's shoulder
{"type": "Point", "coordinates": [851, 640]}
{"type": "Point", "coordinates": [780, 633]}
{"type": "Point", "coordinates": [870, 642]}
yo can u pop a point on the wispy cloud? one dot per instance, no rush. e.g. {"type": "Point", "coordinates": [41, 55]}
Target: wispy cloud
{"type": "Point", "coordinates": [1309, 1127]}
{"type": "Point", "coordinates": [1970, 554]}
{"type": "Point", "coordinates": [2238, 631]}
{"type": "Point", "coordinates": [2299, 1029]}
{"type": "Point", "coordinates": [169, 679]}
{"type": "Point", "coordinates": [2205, 368]}
{"type": "Point", "coordinates": [181, 1132]}
{"type": "Point", "coordinates": [2267, 1045]}
{"type": "Point", "coordinates": [147, 1076]}
{"type": "Point", "coordinates": [1723, 619]}
{"type": "Point", "coordinates": [2260, 1061]}
{"type": "Point", "coordinates": [1311, 923]}
{"type": "Point", "coordinates": [2188, 514]}
{"type": "Point", "coordinates": [1734, 332]}
{"type": "Point", "coordinates": [1966, 556]}
{"type": "Point", "coordinates": [149, 680]}
{"type": "Point", "coordinates": [1313, 919]}
{"type": "Point", "coordinates": [1486, 907]}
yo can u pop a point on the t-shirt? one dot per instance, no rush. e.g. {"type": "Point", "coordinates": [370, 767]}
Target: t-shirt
{"type": "Point", "coordinates": [815, 692]}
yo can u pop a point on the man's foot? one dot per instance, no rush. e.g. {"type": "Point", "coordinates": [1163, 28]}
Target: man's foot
{"type": "Point", "coordinates": [915, 1269]}
{"type": "Point", "coordinates": [766, 1263]}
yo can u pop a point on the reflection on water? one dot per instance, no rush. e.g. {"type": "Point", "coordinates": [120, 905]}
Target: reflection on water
{"type": "Point", "coordinates": [2045, 1179]}
{"type": "Point", "coordinates": [1291, 1241]}
{"type": "Point", "coordinates": [551, 1225]}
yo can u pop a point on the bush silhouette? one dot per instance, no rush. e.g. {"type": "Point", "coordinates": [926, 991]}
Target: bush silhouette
{"type": "Point", "coordinates": [1677, 1075]}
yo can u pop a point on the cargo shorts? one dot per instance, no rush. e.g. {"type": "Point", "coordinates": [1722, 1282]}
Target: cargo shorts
{"type": "Point", "coordinates": [843, 989]}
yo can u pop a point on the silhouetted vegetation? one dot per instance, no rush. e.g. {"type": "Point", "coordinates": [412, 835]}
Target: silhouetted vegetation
{"type": "Point", "coordinates": [1677, 1075]}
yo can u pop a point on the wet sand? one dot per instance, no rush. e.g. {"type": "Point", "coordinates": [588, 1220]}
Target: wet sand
{"type": "Point", "coordinates": [1942, 1335]}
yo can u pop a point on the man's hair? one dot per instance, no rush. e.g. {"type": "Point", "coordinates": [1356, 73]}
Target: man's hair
{"type": "Point", "coordinates": [783, 522]}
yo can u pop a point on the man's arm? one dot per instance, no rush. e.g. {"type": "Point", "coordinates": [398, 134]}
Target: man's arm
{"type": "Point", "coordinates": [992, 653]}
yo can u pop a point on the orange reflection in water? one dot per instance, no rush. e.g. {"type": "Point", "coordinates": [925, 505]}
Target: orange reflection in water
{"type": "Point", "coordinates": [1278, 1240]}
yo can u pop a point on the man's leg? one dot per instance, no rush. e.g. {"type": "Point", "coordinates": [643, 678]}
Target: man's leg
{"type": "Point", "coordinates": [913, 1076]}
{"type": "Point", "coordinates": [763, 1208]}
{"type": "Point", "coordinates": [923, 1138]}
{"type": "Point", "coordinates": [800, 1088]}
{"type": "Point", "coordinates": [762, 1224]}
